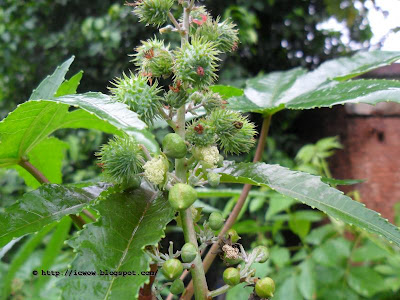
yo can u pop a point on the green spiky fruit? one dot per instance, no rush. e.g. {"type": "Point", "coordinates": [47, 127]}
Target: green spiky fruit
{"type": "Point", "coordinates": [216, 220]}
{"type": "Point", "coordinates": [142, 98]}
{"type": "Point", "coordinates": [262, 254]}
{"type": "Point", "coordinates": [153, 12]}
{"type": "Point", "coordinates": [153, 59]}
{"type": "Point", "coordinates": [200, 133]}
{"type": "Point", "coordinates": [224, 34]}
{"type": "Point", "coordinates": [265, 287]}
{"type": "Point", "coordinates": [198, 16]}
{"type": "Point", "coordinates": [121, 160]}
{"type": "Point", "coordinates": [176, 98]}
{"type": "Point", "coordinates": [181, 196]}
{"type": "Point", "coordinates": [232, 235]}
{"type": "Point", "coordinates": [212, 101]}
{"type": "Point", "coordinates": [174, 146]}
{"type": "Point", "coordinates": [172, 268]}
{"type": "Point", "coordinates": [177, 287]}
{"type": "Point", "coordinates": [231, 276]}
{"type": "Point", "coordinates": [196, 63]}
{"type": "Point", "coordinates": [235, 132]}
{"type": "Point", "coordinates": [188, 252]}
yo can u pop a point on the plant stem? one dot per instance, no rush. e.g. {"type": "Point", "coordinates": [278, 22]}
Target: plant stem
{"type": "Point", "coordinates": [222, 290]}
{"type": "Point", "coordinates": [238, 206]}
{"type": "Point", "coordinates": [145, 292]}
{"type": "Point", "coordinates": [42, 179]}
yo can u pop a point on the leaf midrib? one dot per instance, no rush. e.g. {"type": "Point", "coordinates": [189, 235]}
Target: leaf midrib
{"type": "Point", "coordinates": [127, 249]}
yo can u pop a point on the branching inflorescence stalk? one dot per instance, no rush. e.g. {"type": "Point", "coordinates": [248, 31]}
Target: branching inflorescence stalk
{"type": "Point", "coordinates": [208, 260]}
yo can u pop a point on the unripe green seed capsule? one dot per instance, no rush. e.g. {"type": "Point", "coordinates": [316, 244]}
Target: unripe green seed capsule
{"type": "Point", "coordinates": [213, 179]}
{"type": "Point", "coordinates": [231, 261]}
{"type": "Point", "coordinates": [174, 146]}
{"type": "Point", "coordinates": [188, 252]}
{"type": "Point", "coordinates": [263, 253]}
{"type": "Point", "coordinates": [182, 196]}
{"type": "Point", "coordinates": [216, 221]}
{"type": "Point", "coordinates": [233, 235]}
{"type": "Point", "coordinates": [172, 268]}
{"type": "Point", "coordinates": [177, 287]}
{"type": "Point", "coordinates": [265, 287]}
{"type": "Point", "coordinates": [231, 276]}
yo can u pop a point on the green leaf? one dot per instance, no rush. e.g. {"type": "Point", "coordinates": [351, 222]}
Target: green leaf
{"type": "Point", "coordinates": [332, 253]}
{"type": "Point", "coordinates": [128, 223]}
{"type": "Point", "coordinates": [226, 91]}
{"type": "Point", "coordinates": [240, 291]}
{"type": "Point", "coordinates": [20, 257]}
{"type": "Point", "coordinates": [70, 86]}
{"type": "Point", "coordinates": [300, 227]}
{"type": "Point", "coordinates": [53, 249]}
{"type": "Point", "coordinates": [324, 86]}
{"type": "Point", "coordinates": [279, 256]}
{"type": "Point", "coordinates": [262, 94]}
{"type": "Point", "coordinates": [310, 190]}
{"type": "Point", "coordinates": [368, 252]}
{"type": "Point", "coordinates": [49, 86]}
{"type": "Point", "coordinates": [43, 206]}
{"type": "Point", "coordinates": [250, 226]}
{"type": "Point", "coordinates": [335, 182]}
{"type": "Point", "coordinates": [220, 193]}
{"type": "Point", "coordinates": [355, 91]}
{"type": "Point", "coordinates": [288, 290]}
{"type": "Point", "coordinates": [277, 204]}
{"type": "Point", "coordinates": [47, 156]}
{"type": "Point", "coordinates": [318, 235]}
{"type": "Point", "coordinates": [33, 121]}
{"type": "Point", "coordinates": [306, 280]}
{"type": "Point", "coordinates": [365, 281]}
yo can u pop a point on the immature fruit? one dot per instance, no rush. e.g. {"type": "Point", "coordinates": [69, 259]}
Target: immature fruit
{"type": "Point", "coordinates": [172, 268]}
{"type": "Point", "coordinates": [174, 146]}
{"type": "Point", "coordinates": [231, 261]}
{"type": "Point", "coordinates": [121, 160]}
{"type": "Point", "coordinates": [177, 287]}
{"type": "Point", "coordinates": [231, 276]}
{"type": "Point", "coordinates": [196, 63]}
{"type": "Point", "coordinates": [265, 287]}
{"type": "Point", "coordinates": [200, 133]}
{"type": "Point", "coordinates": [154, 12]}
{"type": "Point", "coordinates": [141, 98]}
{"type": "Point", "coordinates": [263, 253]}
{"type": "Point", "coordinates": [188, 252]}
{"type": "Point", "coordinates": [182, 196]}
{"type": "Point", "coordinates": [216, 221]}
{"type": "Point", "coordinates": [233, 235]}
{"type": "Point", "coordinates": [213, 179]}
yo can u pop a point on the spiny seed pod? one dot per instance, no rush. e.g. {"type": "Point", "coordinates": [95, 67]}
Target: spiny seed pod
{"type": "Point", "coordinates": [196, 97]}
{"type": "Point", "coordinates": [196, 63]}
{"type": "Point", "coordinates": [198, 16]}
{"type": "Point", "coordinates": [209, 155]}
{"type": "Point", "coordinates": [177, 287]}
{"type": "Point", "coordinates": [213, 179]}
{"type": "Point", "coordinates": [181, 196]}
{"type": "Point", "coordinates": [153, 58]}
{"type": "Point", "coordinates": [235, 132]}
{"type": "Point", "coordinates": [174, 146]}
{"type": "Point", "coordinates": [188, 252]}
{"type": "Point", "coordinates": [224, 34]}
{"type": "Point", "coordinates": [263, 254]}
{"type": "Point", "coordinates": [172, 268]}
{"type": "Point", "coordinates": [121, 160]}
{"type": "Point", "coordinates": [142, 98]}
{"type": "Point", "coordinates": [232, 235]}
{"type": "Point", "coordinates": [231, 276]}
{"type": "Point", "coordinates": [265, 287]}
{"type": "Point", "coordinates": [215, 220]}
{"type": "Point", "coordinates": [212, 101]}
{"type": "Point", "coordinates": [153, 12]}
{"type": "Point", "coordinates": [155, 170]}
{"type": "Point", "coordinates": [200, 133]}
{"type": "Point", "coordinates": [176, 99]}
